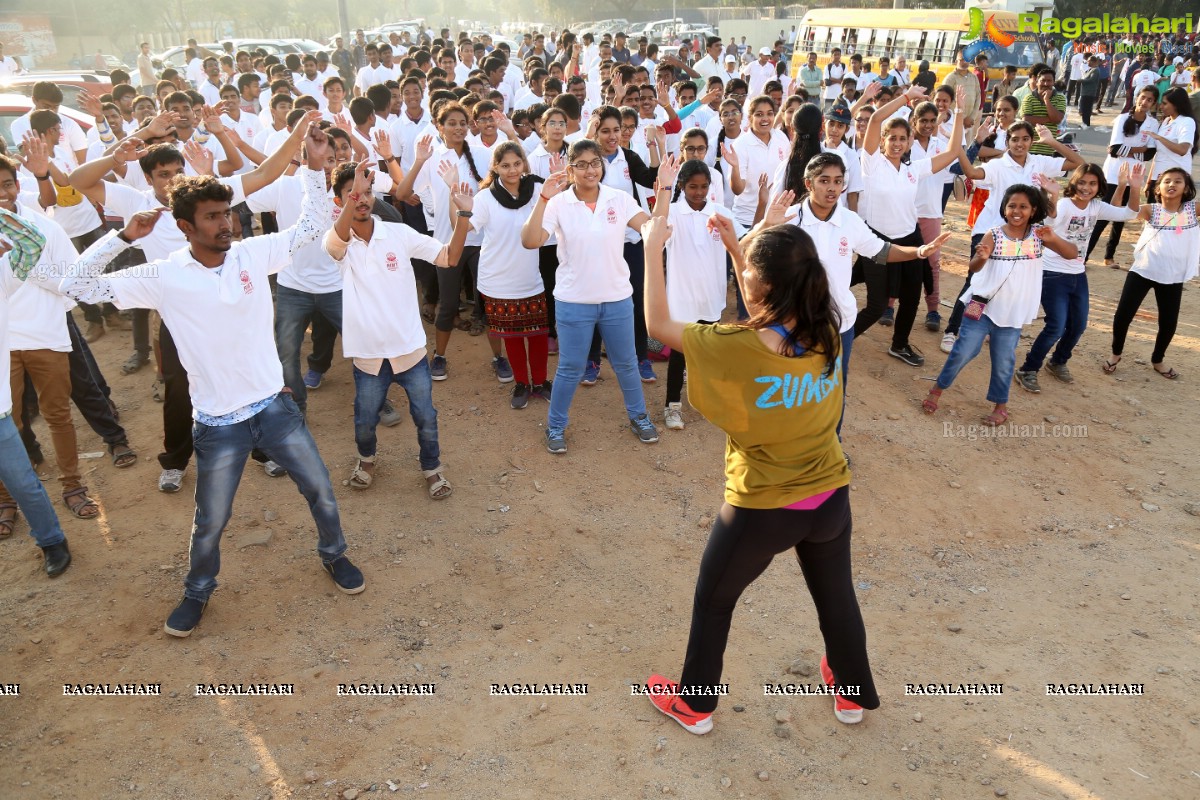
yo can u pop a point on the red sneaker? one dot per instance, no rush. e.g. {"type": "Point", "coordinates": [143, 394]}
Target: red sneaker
{"type": "Point", "coordinates": [663, 694]}
{"type": "Point", "coordinates": [843, 709]}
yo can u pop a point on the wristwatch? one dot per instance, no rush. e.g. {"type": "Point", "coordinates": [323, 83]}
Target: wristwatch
{"type": "Point", "coordinates": [466, 213]}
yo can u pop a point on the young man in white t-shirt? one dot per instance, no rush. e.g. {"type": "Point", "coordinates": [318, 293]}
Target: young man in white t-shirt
{"type": "Point", "coordinates": [381, 319]}
{"type": "Point", "coordinates": [216, 297]}
{"type": "Point", "coordinates": [21, 247]}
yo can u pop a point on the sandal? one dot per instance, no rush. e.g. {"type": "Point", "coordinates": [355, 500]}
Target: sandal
{"type": "Point", "coordinates": [999, 416]}
{"type": "Point", "coordinates": [1170, 374]}
{"type": "Point", "coordinates": [134, 363]}
{"type": "Point", "coordinates": [477, 327]}
{"type": "Point", "coordinates": [363, 475]}
{"type": "Point", "coordinates": [463, 324]}
{"type": "Point", "coordinates": [440, 489]}
{"type": "Point", "coordinates": [82, 503]}
{"type": "Point", "coordinates": [157, 391]}
{"type": "Point", "coordinates": [930, 403]}
{"type": "Point", "coordinates": [8, 518]}
{"type": "Point", "coordinates": [1109, 366]}
{"type": "Point", "coordinates": [428, 313]}
{"type": "Point", "coordinates": [122, 455]}
{"type": "Point", "coordinates": [1108, 262]}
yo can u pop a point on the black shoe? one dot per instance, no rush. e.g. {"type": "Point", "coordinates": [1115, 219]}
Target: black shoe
{"type": "Point", "coordinates": [888, 318]}
{"type": "Point", "coordinates": [185, 617]}
{"type": "Point", "coordinates": [545, 391]}
{"type": "Point", "coordinates": [908, 354]}
{"type": "Point", "coordinates": [348, 577]}
{"type": "Point", "coordinates": [58, 558]}
{"type": "Point", "coordinates": [520, 395]}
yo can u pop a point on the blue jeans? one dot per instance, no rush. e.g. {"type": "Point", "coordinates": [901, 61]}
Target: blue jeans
{"type": "Point", "coordinates": [293, 311]}
{"type": "Point", "coordinates": [847, 346]}
{"type": "Point", "coordinates": [370, 391]}
{"type": "Point", "coordinates": [26, 490]}
{"type": "Point", "coordinates": [956, 314]}
{"type": "Point", "coordinates": [1065, 299]}
{"type": "Point", "coordinates": [279, 431]}
{"type": "Point", "coordinates": [1003, 349]}
{"type": "Point", "coordinates": [576, 322]}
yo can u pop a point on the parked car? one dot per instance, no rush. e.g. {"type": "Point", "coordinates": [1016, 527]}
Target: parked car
{"type": "Point", "coordinates": [14, 106]}
{"type": "Point", "coordinates": [71, 83]}
{"type": "Point", "coordinates": [173, 56]}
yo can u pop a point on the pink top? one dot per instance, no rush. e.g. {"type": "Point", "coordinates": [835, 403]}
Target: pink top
{"type": "Point", "coordinates": [809, 503]}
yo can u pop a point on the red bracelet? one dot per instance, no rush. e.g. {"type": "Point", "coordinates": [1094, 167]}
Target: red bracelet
{"type": "Point", "coordinates": [547, 199]}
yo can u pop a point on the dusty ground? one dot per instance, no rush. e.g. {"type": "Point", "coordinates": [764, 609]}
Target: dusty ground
{"type": "Point", "coordinates": [1023, 561]}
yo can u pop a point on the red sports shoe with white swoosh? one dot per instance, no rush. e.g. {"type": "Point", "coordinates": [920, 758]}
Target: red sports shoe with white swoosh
{"type": "Point", "coordinates": [845, 711]}
{"type": "Point", "coordinates": [663, 693]}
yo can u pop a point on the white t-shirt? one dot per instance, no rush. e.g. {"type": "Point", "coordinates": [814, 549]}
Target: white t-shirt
{"type": "Point", "coordinates": [381, 317]}
{"type": "Point", "coordinates": [370, 76]}
{"type": "Point", "coordinates": [889, 201]}
{"type": "Point", "coordinates": [210, 91]}
{"type": "Point", "coordinates": [591, 244]}
{"type": "Point", "coordinates": [312, 270]}
{"type": "Point", "coordinates": [1078, 64]}
{"type": "Point", "coordinates": [1180, 130]}
{"type": "Point", "coordinates": [1144, 78]}
{"type": "Point", "coordinates": [222, 319]}
{"type": "Point", "coordinates": [1001, 173]}
{"type": "Point", "coordinates": [435, 195]}
{"type": "Point", "coordinates": [9, 67]}
{"type": "Point", "coordinates": [1011, 278]}
{"type": "Point", "coordinates": [405, 133]}
{"type": "Point", "coordinates": [756, 158]}
{"type": "Point", "coordinates": [696, 281]}
{"type": "Point", "coordinates": [929, 190]}
{"type": "Point", "coordinates": [757, 76]}
{"type": "Point", "coordinates": [1112, 166]}
{"type": "Point", "coordinates": [507, 271]}
{"type": "Point", "coordinates": [1168, 251]}
{"type": "Point", "coordinates": [315, 87]}
{"type": "Point", "coordinates": [617, 176]}
{"type": "Point", "coordinates": [248, 127]}
{"type": "Point", "coordinates": [36, 320]}
{"type": "Point", "coordinates": [833, 72]}
{"type": "Point", "coordinates": [9, 285]}
{"type": "Point", "coordinates": [837, 240]}
{"type": "Point", "coordinates": [1075, 225]}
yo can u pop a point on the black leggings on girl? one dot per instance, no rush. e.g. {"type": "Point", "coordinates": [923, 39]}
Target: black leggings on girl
{"type": "Point", "coordinates": [1168, 296]}
{"type": "Point", "coordinates": [742, 544]}
{"type": "Point", "coordinates": [902, 280]}
{"type": "Point", "coordinates": [1114, 236]}
{"type": "Point", "coordinates": [676, 365]}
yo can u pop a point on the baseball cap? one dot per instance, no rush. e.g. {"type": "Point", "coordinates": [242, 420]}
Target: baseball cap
{"type": "Point", "coordinates": [839, 113]}
{"type": "Point", "coordinates": [732, 58]}
{"type": "Point", "coordinates": [764, 51]}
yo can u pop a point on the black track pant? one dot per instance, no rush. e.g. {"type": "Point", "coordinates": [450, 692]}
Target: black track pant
{"type": "Point", "coordinates": [742, 544]}
{"type": "Point", "coordinates": [1168, 296]}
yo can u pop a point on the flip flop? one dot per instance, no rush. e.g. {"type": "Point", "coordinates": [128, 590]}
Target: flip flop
{"type": "Point", "coordinates": [1110, 367]}
{"type": "Point", "coordinates": [1170, 374]}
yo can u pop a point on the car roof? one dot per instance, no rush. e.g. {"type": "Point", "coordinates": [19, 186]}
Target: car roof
{"type": "Point", "coordinates": [12, 102]}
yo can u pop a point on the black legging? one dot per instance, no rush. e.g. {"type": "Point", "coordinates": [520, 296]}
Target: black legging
{"type": "Point", "coordinates": [548, 267]}
{"type": "Point", "coordinates": [1114, 236]}
{"type": "Point", "coordinates": [902, 280]}
{"type": "Point", "coordinates": [1168, 296]}
{"type": "Point", "coordinates": [676, 365]}
{"type": "Point", "coordinates": [742, 544]}
{"type": "Point", "coordinates": [451, 280]}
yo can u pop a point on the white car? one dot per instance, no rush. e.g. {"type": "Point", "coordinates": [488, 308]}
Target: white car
{"type": "Point", "coordinates": [14, 106]}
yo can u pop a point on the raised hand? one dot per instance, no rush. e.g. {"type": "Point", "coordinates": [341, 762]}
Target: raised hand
{"type": "Point", "coordinates": [462, 196]}
{"type": "Point", "coordinates": [777, 211]}
{"type": "Point", "coordinates": [35, 154]}
{"type": "Point", "coordinates": [710, 95]}
{"type": "Point", "coordinates": [212, 120]}
{"type": "Point", "coordinates": [142, 223]}
{"type": "Point", "coordinates": [162, 124]}
{"type": "Point", "coordinates": [317, 147]}
{"type": "Point", "coordinates": [503, 123]}
{"type": "Point", "coordinates": [655, 232]}
{"type": "Point", "coordinates": [424, 148]}
{"type": "Point", "coordinates": [764, 188]}
{"type": "Point", "coordinates": [730, 155]}
{"type": "Point", "coordinates": [90, 104]}
{"type": "Point", "coordinates": [926, 250]}
{"type": "Point", "coordinates": [668, 171]}
{"type": "Point", "coordinates": [199, 156]}
{"type": "Point", "coordinates": [984, 130]}
{"type": "Point", "coordinates": [558, 163]}
{"type": "Point", "coordinates": [913, 92]}
{"type": "Point", "coordinates": [1044, 135]}
{"type": "Point", "coordinates": [448, 172]}
{"type": "Point", "coordinates": [1137, 176]}
{"type": "Point", "coordinates": [871, 90]}
{"type": "Point", "coordinates": [130, 149]}
{"type": "Point", "coordinates": [960, 99]}
{"type": "Point", "coordinates": [364, 178]}
{"type": "Point", "coordinates": [383, 144]}
{"type": "Point", "coordinates": [554, 184]}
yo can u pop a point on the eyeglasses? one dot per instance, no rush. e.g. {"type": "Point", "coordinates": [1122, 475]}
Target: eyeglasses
{"type": "Point", "coordinates": [628, 128]}
{"type": "Point", "coordinates": [862, 120]}
{"type": "Point", "coordinates": [584, 166]}
{"type": "Point", "coordinates": [737, 95]}
{"type": "Point", "coordinates": [698, 150]}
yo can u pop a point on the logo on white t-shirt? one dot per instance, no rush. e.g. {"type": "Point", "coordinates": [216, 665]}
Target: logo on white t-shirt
{"type": "Point", "coordinates": [247, 284]}
{"type": "Point", "coordinates": [626, 173]}
{"type": "Point", "coordinates": [843, 247]}
{"type": "Point", "coordinates": [391, 262]}
{"type": "Point", "coordinates": [612, 215]}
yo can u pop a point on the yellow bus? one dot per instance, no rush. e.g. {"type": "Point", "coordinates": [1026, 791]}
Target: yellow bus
{"type": "Point", "coordinates": [917, 35]}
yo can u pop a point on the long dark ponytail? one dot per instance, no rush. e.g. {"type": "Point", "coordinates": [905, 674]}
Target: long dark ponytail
{"type": "Point", "coordinates": [1132, 125]}
{"type": "Point", "coordinates": [443, 114]}
{"type": "Point", "coordinates": [690, 169]}
{"type": "Point", "coordinates": [806, 127]}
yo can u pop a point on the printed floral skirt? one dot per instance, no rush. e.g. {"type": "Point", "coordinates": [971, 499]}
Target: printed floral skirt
{"type": "Point", "coordinates": [516, 317]}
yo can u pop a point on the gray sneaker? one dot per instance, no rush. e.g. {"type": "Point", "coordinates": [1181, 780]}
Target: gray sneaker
{"type": "Point", "coordinates": [1060, 371]}
{"type": "Point", "coordinates": [644, 428]}
{"type": "Point", "coordinates": [388, 416]}
{"type": "Point", "coordinates": [556, 440]}
{"type": "Point", "coordinates": [170, 480]}
{"type": "Point", "coordinates": [1028, 381]}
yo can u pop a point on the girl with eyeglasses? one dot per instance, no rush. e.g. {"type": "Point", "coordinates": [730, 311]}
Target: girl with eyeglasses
{"type": "Point", "coordinates": [593, 290]}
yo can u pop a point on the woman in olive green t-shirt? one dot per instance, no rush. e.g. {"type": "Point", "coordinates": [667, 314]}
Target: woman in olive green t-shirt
{"type": "Point", "coordinates": [773, 385]}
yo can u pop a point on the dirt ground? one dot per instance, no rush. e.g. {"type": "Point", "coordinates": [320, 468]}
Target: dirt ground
{"type": "Point", "coordinates": [1025, 560]}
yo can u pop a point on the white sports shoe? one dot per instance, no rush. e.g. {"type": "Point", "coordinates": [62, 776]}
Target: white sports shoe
{"type": "Point", "coordinates": [673, 416]}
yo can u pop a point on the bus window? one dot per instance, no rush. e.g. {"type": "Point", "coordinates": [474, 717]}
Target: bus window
{"type": "Point", "coordinates": [908, 44]}
{"type": "Point", "coordinates": [821, 39]}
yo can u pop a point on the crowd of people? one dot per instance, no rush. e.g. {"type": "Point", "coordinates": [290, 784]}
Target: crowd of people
{"type": "Point", "coordinates": [569, 203]}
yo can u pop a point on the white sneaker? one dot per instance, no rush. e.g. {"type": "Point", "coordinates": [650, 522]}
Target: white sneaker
{"type": "Point", "coordinates": [170, 480]}
{"type": "Point", "coordinates": [948, 342]}
{"type": "Point", "coordinates": [673, 416]}
{"type": "Point", "coordinates": [389, 417]}
{"type": "Point", "coordinates": [273, 470]}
